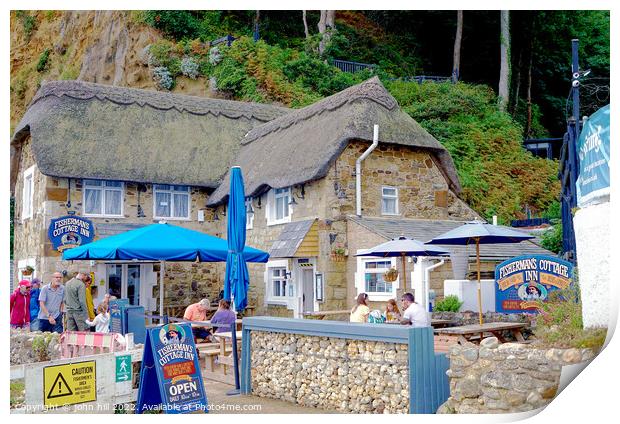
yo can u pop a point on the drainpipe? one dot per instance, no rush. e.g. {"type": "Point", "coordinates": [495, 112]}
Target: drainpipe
{"type": "Point", "coordinates": [358, 170]}
{"type": "Point", "coordinates": [427, 278]}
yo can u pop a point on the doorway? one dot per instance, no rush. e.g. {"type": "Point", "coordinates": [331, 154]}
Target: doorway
{"type": "Point", "coordinates": [307, 281]}
{"type": "Point", "coordinates": [133, 282]}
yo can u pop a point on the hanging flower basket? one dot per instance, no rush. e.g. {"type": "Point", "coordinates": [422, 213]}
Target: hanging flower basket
{"type": "Point", "coordinates": [390, 275]}
{"type": "Point", "coordinates": [337, 257]}
{"type": "Point", "coordinates": [28, 270]}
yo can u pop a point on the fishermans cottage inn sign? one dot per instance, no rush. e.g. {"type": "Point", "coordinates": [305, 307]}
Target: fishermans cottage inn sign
{"type": "Point", "coordinates": [70, 231]}
{"type": "Point", "coordinates": [523, 281]}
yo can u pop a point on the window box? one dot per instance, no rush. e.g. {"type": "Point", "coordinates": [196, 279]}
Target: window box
{"type": "Point", "coordinates": [103, 198]}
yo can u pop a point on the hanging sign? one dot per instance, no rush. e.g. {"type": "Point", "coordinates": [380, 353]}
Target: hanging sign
{"type": "Point", "coordinates": [593, 151]}
{"type": "Point", "coordinates": [170, 378]}
{"type": "Point", "coordinates": [70, 384]}
{"type": "Point", "coordinates": [70, 231]}
{"type": "Point", "coordinates": [524, 281]}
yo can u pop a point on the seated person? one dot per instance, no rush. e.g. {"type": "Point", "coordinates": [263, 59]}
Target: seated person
{"type": "Point", "coordinates": [414, 314]}
{"type": "Point", "coordinates": [224, 316]}
{"type": "Point", "coordinates": [198, 312]}
{"type": "Point", "coordinates": [360, 311]}
{"type": "Point", "coordinates": [392, 313]}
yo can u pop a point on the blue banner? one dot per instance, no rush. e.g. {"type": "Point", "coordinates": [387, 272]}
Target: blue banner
{"type": "Point", "coordinates": [170, 378]}
{"type": "Point", "coordinates": [68, 231]}
{"type": "Point", "coordinates": [593, 150]}
{"type": "Point", "coordinates": [525, 281]}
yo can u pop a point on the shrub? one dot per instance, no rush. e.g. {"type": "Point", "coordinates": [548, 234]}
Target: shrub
{"type": "Point", "coordinates": [560, 322]}
{"type": "Point", "coordinates": [552, 238]}
{"type": "Point", "coordinates": [43, 60]}
{"type": "Point", "coordinates": [163, 78]}
{"type": "Point", "coordinates": [178, 24]}
{"type": "Point", "coordinates": [190, 68]}
{"type": "Point", "coordinates": [448, 304]}
{"type": "Point", "coordinates": [29, 22]}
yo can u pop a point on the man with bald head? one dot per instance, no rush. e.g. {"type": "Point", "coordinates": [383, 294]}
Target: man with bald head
{"type": "Point", "coordinates": [51, 305]}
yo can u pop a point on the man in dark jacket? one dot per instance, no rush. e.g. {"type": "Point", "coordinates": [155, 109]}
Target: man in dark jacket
{"type": "Point", "coordinates": [75, 302]}
{"type": "Point", "coordinates": [34, 304]}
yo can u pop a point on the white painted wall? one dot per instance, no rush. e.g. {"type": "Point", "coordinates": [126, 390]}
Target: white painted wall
{"type": "Point", "coordinates": [592, 234]}
{"type": "Point", "coordinates": [467, 291]}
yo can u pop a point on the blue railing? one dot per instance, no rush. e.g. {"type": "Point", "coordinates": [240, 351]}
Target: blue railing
{"type": "Point", "coordinates": [351, 67]}
{"type": "Point", "coordinates": [228, 39]}
{"type": "Point", "coordinates": [531, 222]}
{"type": "Point", "coordinates": [423, 78]}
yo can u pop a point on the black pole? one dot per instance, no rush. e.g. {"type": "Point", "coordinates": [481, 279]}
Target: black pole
{"type": "Point", "coordinates": [235, 361]}
{"type": "Point", "coordinates": [576, 83]}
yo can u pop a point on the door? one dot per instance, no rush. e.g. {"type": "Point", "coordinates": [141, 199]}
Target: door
{"type": "Point", "coordinates": [307, 278]}
{"type": "Point", "coordinates": [133, 284]}
{"type": "Point", "coordinates": [132, 281]}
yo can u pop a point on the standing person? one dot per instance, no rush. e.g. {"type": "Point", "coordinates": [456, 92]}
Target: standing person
{"type": "Point", "coordinates": [34, 304]}
{"type": "Point", "coordinates": [75, 302]}
{"type": "Point", "coordinates": [20, 305]}
{"type": "Point", "coordinates": [224, 315]}
{"type": "Point", "coordinates": [414, 314]}
{"type": "Point", "coordinates": [392, 313]}
{"type": "Point", "coordinates": [51, 305]}
{"type": "Point", "coordinates": [90, 306]}
{"type": "Point", "coordinates": [198, 312]}
{"type": "Point", "coordinates": [102, 320]}
{"type": "Point", "coordinates": [360, 311]}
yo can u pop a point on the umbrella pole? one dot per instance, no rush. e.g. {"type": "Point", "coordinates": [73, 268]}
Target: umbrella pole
{"type": "Point", "coordinates": [404, 274]}
{"type": "Point", "coordinates": [162, 268]}
{"type": "Point", "coordinates": [479, 283]}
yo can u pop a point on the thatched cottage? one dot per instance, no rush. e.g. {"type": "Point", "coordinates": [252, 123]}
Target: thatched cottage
{"type": "Point", "coordinates": [123, 158]}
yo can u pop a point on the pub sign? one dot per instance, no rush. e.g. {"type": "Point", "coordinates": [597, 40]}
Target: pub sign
{"type": "Point", "coordinates": [68, 231]}
{"type": "Point", "coordinates": [523, 281]}
{"type": "Point", "coordinates": [594, 154]}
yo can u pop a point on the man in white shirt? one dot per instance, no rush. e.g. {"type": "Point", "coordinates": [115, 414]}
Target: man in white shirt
{"type": "Point", "coordinates": [414, 314]}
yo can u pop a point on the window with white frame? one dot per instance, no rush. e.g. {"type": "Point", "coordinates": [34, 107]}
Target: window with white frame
{"type": "Point", "coordinates": [369, 278]}
{"type": "Point", "coordinates": [249, 213]}
{"type": "Point", "coordinates": [102, 198]}
{"type": "Point", "coordinates": [389, 201]}
{"type": "Point", "coordinates": [278, 281]}
{"type": "Point", "coordinates": [278, 208]}
{"type": "Point", "coordinates": [28, 193]}
{"type": "Point", "coordinates": [279, 288]}
{"type": "Point", "coordinates": [171, 201]}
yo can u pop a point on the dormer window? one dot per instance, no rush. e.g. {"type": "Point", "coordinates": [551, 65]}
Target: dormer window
{"type": "Point", "coordinates": [278, 208]}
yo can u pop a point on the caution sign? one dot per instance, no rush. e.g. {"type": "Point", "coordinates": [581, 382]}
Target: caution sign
{"type": "Point", "coordinates": [70, 384]}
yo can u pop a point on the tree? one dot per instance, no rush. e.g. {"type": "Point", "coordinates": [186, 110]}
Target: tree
{"type": "Point", "coordinates": [504, 72]}
{"type": "Point", "coordinates": [456, 63]}
{"type": "Point", "coordinates": [326, 28]}
{"type": "Point", "coordinates": [305, 25]}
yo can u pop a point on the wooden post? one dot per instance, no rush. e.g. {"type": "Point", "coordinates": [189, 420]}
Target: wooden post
{"type": "Point", "coordinates": [479, 283]}
{"type": "Point", "coordinates": [404, 273]}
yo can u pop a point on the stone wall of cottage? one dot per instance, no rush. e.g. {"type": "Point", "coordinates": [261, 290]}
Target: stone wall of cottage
{"type": "Point", "coordinates": [505, 378]}
{"type": "Point", "coordinates": [331, 373]}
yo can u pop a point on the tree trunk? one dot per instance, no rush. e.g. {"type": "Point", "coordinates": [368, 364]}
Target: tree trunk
{"type": "Point", "coordinates": [504, 72]}
{"type": "Point", "coordinates": [256, 26]}
{"type": "Point", "coordinates": [305, 25]}
{"type": "Point", "coordinates": [326, 27]}
{"type": "Point", "coordinates": [456, 63]}
{"type": "Point", "coordinates": [517, 84]}
{"type": "Point", "coordinates": [528, 128]}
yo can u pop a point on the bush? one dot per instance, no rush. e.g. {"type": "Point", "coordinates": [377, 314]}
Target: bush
{"type": "Point", "coordinates": [43, 59]}
{"type": "Point", "coordinates": [552, 238]}
{"type": "Point", "coordinates": [448, 304]}
{"type": "Point", "coordinates": [29, 22]}
{"type": "Point", "coordinates": [178, 24]}
{"type": "Point", "coordinates": [190, 68]}
{"type": "Point", "coordinates": [163, 78]}
{"type": "Point", "coordinates": [560, 322]}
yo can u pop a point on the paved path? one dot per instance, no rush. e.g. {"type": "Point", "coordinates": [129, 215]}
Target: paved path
{"type": "Point", "coordinates": [220, 403]}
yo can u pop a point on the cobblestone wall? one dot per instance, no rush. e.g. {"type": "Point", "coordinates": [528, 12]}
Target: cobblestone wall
{"type": "Point", "coordinates": [505, 378]}
{"type": "Point", "coordinates": [331, 373]}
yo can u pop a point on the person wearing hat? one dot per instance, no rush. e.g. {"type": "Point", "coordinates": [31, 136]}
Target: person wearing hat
{"type": "Point", "coordinates": [172, 336]}
{"type": "Point", "coordinates": [20, 305]}
{"type": "Point", "coordinates": [198, 312]}
{"type": "Point", "coordinates": [34, 304]}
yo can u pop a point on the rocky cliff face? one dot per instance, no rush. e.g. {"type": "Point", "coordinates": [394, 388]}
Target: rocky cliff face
{"type": "Point", "coordinates": [107, 47]}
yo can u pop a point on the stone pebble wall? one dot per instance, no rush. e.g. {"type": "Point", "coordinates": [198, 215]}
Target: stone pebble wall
{"type": "Point", "coordinates": [331, 373]}
{"type": "Point", "coordinates": [27, 347]}
{"type": "Point", "coordinates": [505, 378]}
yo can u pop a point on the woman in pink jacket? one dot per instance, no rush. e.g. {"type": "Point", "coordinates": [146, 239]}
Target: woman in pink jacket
{"type": "Point", "coordinates": [20, 305]}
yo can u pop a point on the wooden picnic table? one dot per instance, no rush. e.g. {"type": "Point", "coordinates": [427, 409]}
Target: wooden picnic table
{"type": "Point", "coordinates": [226, 358]}
{"type": "Point", "coordinates": [468, 333]}
{"type": "Point", "coordinates": [441, 323]}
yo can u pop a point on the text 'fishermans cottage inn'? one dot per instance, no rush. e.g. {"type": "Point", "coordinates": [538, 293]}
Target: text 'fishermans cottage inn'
{"type": "Point", "coordinates": [89, 161]}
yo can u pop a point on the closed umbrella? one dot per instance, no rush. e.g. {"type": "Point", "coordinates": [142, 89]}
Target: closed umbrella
{"type": "Point", "coordinates": [237, 277]}
{"type": "Point", "coordinates": [403, 247]}
{"type": "Point", "coordinates": [480, 232]}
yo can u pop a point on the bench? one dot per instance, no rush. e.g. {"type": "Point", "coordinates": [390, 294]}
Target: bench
{"type": "Point", "coordinates": [209, 351]}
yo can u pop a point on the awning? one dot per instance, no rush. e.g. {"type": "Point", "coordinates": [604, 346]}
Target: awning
{"type": "Point", "coordinates": [298, 239]}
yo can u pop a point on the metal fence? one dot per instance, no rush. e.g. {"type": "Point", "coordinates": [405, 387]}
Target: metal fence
{"type": "Point", "coordinates": [351, 67]}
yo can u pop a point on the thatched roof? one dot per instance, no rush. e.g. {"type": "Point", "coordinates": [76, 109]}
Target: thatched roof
{"type": "Point", "coordinates": [301, 146]}
{"type": "Point", "coordinates": [86, 130]}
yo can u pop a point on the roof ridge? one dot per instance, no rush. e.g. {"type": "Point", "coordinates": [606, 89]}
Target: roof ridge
{"type": "Point", "coordinates": [81, 90]}
{"type": "Point", "coordinates": [371, 89]}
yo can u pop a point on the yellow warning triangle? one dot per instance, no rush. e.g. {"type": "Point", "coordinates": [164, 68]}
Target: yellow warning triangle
{"type": "Point", "coordinates": [60, 388]}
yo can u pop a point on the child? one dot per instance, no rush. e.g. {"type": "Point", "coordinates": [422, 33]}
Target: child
{"type": "Point", "coordinates": [392, 313]}
{"type": "Point", "coordinates": [102, 320]}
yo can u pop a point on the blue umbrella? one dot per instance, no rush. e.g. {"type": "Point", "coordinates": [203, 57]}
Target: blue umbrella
{"type": "Point", "coordinates": [161, 242]}
{"type": "Point", "coordinates": [479, 232]}
{"type": "Point", "coordinates": [237, 278]}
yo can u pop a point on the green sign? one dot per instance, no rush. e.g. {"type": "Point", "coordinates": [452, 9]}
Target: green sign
{"type": "Point", "coordinates": [123, 368]}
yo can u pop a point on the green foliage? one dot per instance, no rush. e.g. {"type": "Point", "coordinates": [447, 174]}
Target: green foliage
{"type": "Point", "coordinates": [552, 238]}
{"type": "Point", "coordinates": [561, 324]}
{"type": "Point", "coordinates": [178, 24]}
{"type": "Point", "coordinates": [29, 22]}
{"type": "Point", "coordinates": [43, 60]}
{"type": "Point", "coordinates": [17, 392]}
{"type": "Point", "coordinates": [498, 176]}
{"type": "Point", "coordinates": [448, 304]}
